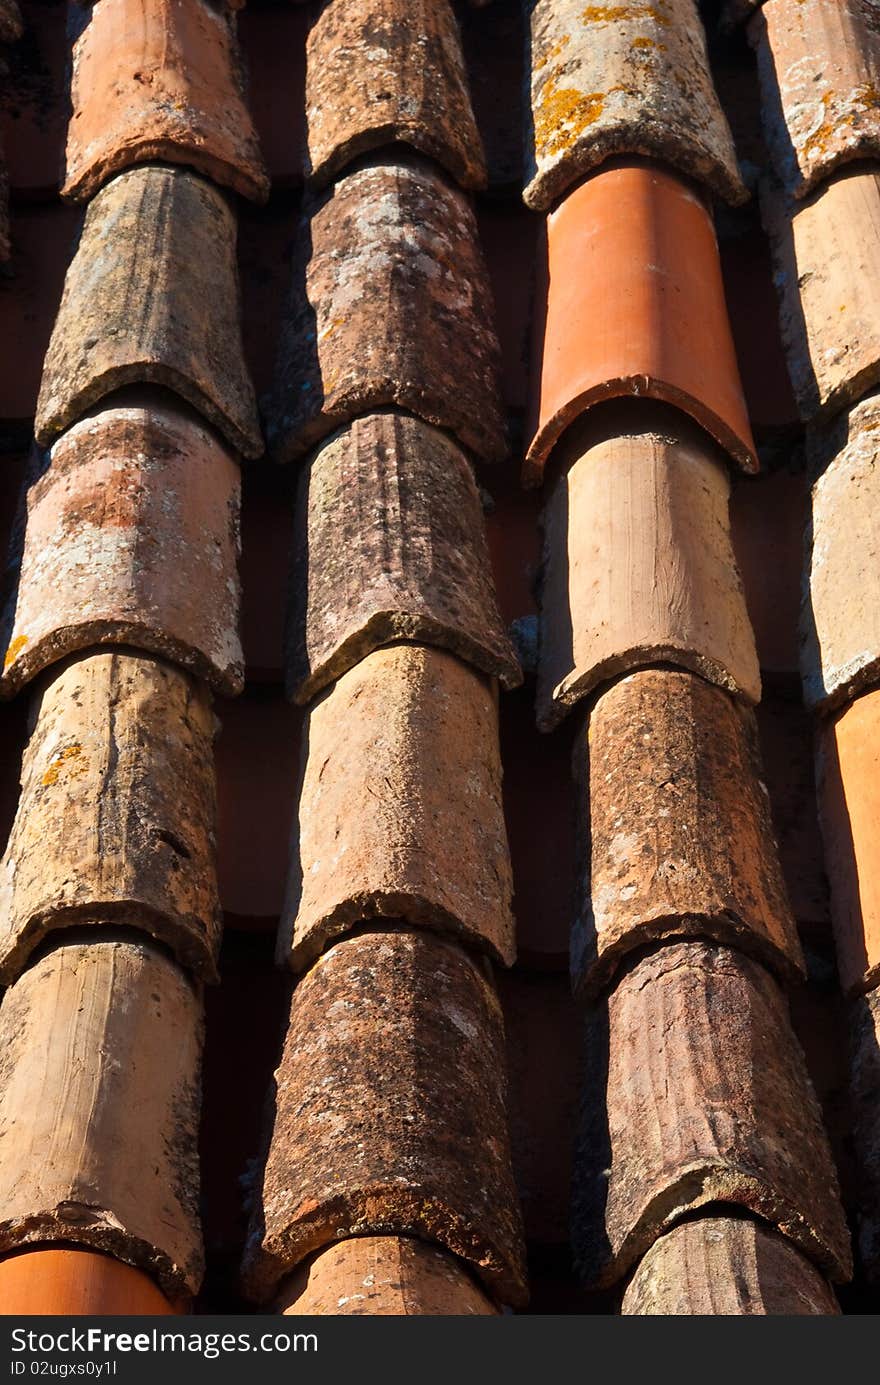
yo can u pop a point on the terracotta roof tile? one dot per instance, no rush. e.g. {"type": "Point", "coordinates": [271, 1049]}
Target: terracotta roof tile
{"type": "Point", "coordinates": [100, 1050]}
{"type": "Point", "coordinates": [638, 563]}
{"type": "Point", "coordinates": [677, 817]}
{"type": "Point", "coordinates": [389, 545]}
{"type": "Point", "coordinates": [400, 815]}
{"type": "Point", "coordinates": [728, 1267]}
{"type": "Point", "coordinates": [865, 1099]}
{"type": "Point", "coordinates": [848, 765]}
{"type": "Point", "coordinates": [629, 314]}
{"type": "Point", "coordinates": [824, 251]}
{"type": "Point", "coordinates": [76, 1281]}
{"type": "Point", "coordinates": [819, 62]}
{"type": "Point", "coordinates": [131, 538]}
{"type": "Point", "coordinates": [840, 621]}
{"type": "Point", "coordinates": [389, 1114]}
{"type": "Point", "coordinates": [390, 306]}
{"type": "Point", "coordinates": [401, 69]}
{"type": "Point", "coordinates": [159, 81]}
{"type": "Point", "coordinates": [623, 79]}
{"type": "Point", "coordinates": [151, 296]}
{"type": "Point", "coordinates": [378, 1276]}
{"type": "Point", "coordinates": [692, 1119]}
{"type": "Point", "coordinates": [115, 823]}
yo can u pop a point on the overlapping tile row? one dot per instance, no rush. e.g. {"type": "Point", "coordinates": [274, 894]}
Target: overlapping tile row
{"type": "Point", "coordinates": [121, 620]}
{"type": "Point", "coordinates": [818, 65]}
{"type": "Point", "coordinates": [387, 1184]}
{"type": "Point", "coordinates": [683, 937]}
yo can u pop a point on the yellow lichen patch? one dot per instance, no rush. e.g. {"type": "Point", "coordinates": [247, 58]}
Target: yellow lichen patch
{"type": "Point", "coordinates": [15, 648]}
{"type": "Point", "coordinates": [865, 97]}
{"type": "Point", "coordinates": [64, 757]}
{"type": "Point", "coordinates": [615, 14]}
{"type": "Point", "coordinates": [562, 114]}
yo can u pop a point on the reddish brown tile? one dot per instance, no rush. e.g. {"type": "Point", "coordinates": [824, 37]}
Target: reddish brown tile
{"type": "Point", "coordinates": [115, 824]}
{"type": "Point", "coordinates": [100, 1051]}
{"type": "Point", "coordinates": [638, 563]}
{"type": "Point", "coordinates": [623, 79]}
{"type": "Point", "coordinates": [390, 306]}
{"type": "Point", "coordinates": [389, 1114]}
{"type": "Point", "coordinates": [401, 70]}
{"type": "Point", "coordinates": [615, 257]}
{"type": "Point", "coordinates": [132, 538]}
{"type": "Point", "coordinates": [76, 1283]}
{"type": "Point", "coordinates": [400, 809]}
{"type": "Point", "coordinates": [706, 1100]}
{"type": "Point", "coordinates": [159, 81]}
{"type": "Point", "coordinates": [381, 1276]}
{"type": "Point", "coordinates": [389, 545]}
{"type": "Point", "coordinates": [679, 830]}
{"type": "Point", "coordinates": [151, 297]}
{"type": "Point", "coordinates": [726, 1267]}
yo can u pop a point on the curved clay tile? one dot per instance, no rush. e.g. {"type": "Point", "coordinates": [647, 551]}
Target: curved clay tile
{"type": "Point", "coordinates": [132, 538]}
{"type": "Point", "coordinates": [100, 1058]}
{"type": "Point", "coordinates": [635, 306]}
{"type": "Point", "coordinates": [696, 1093]}
{"type": "Point", "coordinates": [377, 74]}
{"type": "Point", "coordinates": [726, 1267]}
{"type": "Point", "coordinates": [116, 820]}
{"type": "Point", "coordinates": [389, 544]}
{"type": "Point", "coordinates": [626, 79]}
{"type": "Point", "coordinates": [819, 65]}
{"type": "Point", "coordinates": [380, 1276]}
{"type": "Point", "coordinates": [391, 305]}
{"type": "Point", "coordinates": [638, 564]}
{"type": "Point", "coordinates": [389, 1114]}
{"type": "Point", "coordinates": [848, 773]}
{"type": "Point", "coordinates": [159, 81]}
{"type": "Point", "coordinates": [50, 1281]}
{"type": "Point", "coordinates": [681, 842]}
{"type": "Point", "coordinates": [151, 297]}
{"type": "Point", "coordinates": [400, 813]}
{"type": "Point", "coordinates": [825, 255]}
{"type": "Point", "coordinates": [840, 614]}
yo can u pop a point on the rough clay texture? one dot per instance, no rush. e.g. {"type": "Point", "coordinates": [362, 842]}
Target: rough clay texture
{"type": "Point", "coordinates": [695, 1093]}
{"type": "Point", "coordinates": [100, 1058]}
{"type": "Point", "coordinates": [825, 253]}
{"type": "Point", "coordinates": [151, 297]}
{"type": "Point", "coordinates": [638, 564]}
{"type": "Point", "coordinates": [115, 823]}
{"type": "Point", "coordinates": [726, 1267]}
{"type": "Point", "coordinates": [848, 784]}
{"type": "Point", "coordinates": [400, 813]}
{"type": "Point", "coordinates": [633, 248]}
{"type": "Point", "coordinates": [674, 809]}
{"type": "Point", "coordinates": [840, 614]}
{"type": "Point", "coordinates": [391, 305]}
{"type": "Point", "coordinates": [623, 79]}
{"type": "Point", "coordinates": [383, 1276]}
{"type": "Point", "coordinates": [132, 537]}
{"type": "Point", "coordinates": [390, 1114]}
{"type": "Point", "coordinates": [389, 544]}
{"type": "Point", "coordinates": [865, 1101]}
{"type": "Point", "coordinates": [394, 73]}
{"type": "Point", "coordinates": [819, 68]}
{"type": "Point", "coordinates": [160, 81]}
